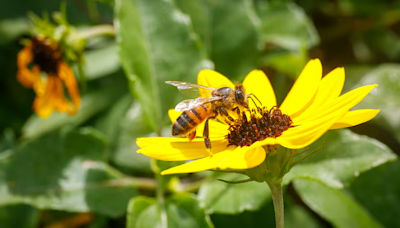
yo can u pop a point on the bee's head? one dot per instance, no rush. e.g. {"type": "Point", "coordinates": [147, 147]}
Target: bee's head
{"type": "Point", "coordinates": [240, 96]}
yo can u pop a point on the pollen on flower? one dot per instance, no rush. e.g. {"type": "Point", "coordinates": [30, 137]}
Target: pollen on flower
{"type": "Point", "coordinates": [263, 123]}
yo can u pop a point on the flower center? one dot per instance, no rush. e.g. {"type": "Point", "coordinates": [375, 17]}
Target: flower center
{"type": "Point", "coordinates": [263, 123]}
{"type": "Point", "coordinates": [46, 55]}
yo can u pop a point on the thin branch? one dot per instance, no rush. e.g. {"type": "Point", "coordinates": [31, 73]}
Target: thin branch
{"type": "Point", "coordinates": [309, 154]}
{"type": "Point", "coordinates": [227, 171]}
{"type": "Point", "coordinates": [300, 152]}
{"type": "Point", "coordinates": [98, 30]}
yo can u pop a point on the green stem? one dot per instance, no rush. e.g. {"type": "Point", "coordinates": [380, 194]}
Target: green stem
{"type": "Point", "coordinates": [161, 201]}
{"type": "Point", "coordinates": [277, 199]}
{"type": "Point", "coordinates": [98, 30]}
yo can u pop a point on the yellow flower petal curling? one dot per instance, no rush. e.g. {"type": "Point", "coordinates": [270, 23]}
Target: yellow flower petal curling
{"type": "Point", "coordinates": [239, 158]}
{"type": "Point", "coordinates": [354, 118]}
{"type": "Point", "coordinates": [344, 102]}
{"type": "Point", "coordinates": [178, 149]}
{"type": "Point", "coordinates": [330, 88]}
{"type": "Point", "coordinates": [304, 88]}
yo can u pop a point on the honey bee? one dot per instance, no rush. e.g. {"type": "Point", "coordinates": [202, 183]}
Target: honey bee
{"type": "Point", "coordinates": [210, 103]}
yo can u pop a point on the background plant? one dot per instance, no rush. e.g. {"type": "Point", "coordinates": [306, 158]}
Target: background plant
{"type": "Point", "coordinates": [57, 169]}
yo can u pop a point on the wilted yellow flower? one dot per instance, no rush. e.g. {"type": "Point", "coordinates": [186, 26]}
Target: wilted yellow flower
{"type": "Point", "coordinates": [43, 55]}
{"type": "Point", "coordinates": [312, 107]}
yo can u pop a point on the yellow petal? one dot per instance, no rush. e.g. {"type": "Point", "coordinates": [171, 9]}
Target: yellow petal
{"type": "Point", "coordinates": [217, 129]}
{"type": "Point", "coordinates": [354, 118]}
{"type": "Point", "coordinates": [26, 76]}
{"type": "Point", "coordinates": [166, 141]}
{"type": "Point", "coordinates": [239, 158]}
{"type": "Point", "coordinates": [344, 102]}
{"type": "Point", "coordinates": [257, 82]}
{"type": "Point", "coordinates": [213, 79]}
{"type": "Point", "coordinates": [304, 88]}
{"type": "Point", "coordinates": [180, 150]}
{"type": "Point", "coordinates": [60, 101]}
{"type": "Point", "coordinates": [173, 115]}
{"type": "Point", "coordinates": [25, 57]}
{"type": "Point", "coordinates": [330, 88]}
{"type": "Point", "coordinates": [43, 104]}
{"type": "Point", "coordinates": [268, 141]}
{"type": "Point", "coordinates": [302, 136]}
{"type": "Point", "coordinates": [67, 75]}
{"type": "Point", "coordinates": [191, 167]}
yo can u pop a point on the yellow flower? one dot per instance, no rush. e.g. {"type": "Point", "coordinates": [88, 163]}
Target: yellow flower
{"type": "Point", "coordinates": [314, 106]}
{"type": "Point", "coordinates": [43, 55]}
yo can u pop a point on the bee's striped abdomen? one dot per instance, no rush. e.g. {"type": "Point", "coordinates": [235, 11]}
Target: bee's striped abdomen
{"type": "Point", "coordinates": [189, 119]}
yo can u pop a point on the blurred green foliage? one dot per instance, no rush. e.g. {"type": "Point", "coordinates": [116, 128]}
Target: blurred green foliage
{"type": "Point", "coordinates": [53, 169]}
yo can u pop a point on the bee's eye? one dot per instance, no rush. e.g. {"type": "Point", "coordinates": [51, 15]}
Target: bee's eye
{"type": "Point", "coordinates": [239, 96]}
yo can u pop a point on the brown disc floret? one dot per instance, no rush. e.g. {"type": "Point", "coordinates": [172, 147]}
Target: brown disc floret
{"type": "Point", "coordinates": [46, 54]}
{"type": "Point", "coordinates": [262, 123]}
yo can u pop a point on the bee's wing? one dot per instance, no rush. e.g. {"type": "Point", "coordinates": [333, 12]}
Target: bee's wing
{"type": "Point", "coordinates": [191, 89]}
{"type": "Point", "coordinates": [192, 103]}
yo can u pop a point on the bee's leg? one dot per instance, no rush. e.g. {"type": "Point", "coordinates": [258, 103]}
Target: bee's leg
{"type": "Point", "coordinates": [237, 109]}
{"type": "Point", "coordinates": [225, 113]}
{"type": "Point", "coordinates": [206, 135]}
{"type": "Point", "coordinates": [192, 135]}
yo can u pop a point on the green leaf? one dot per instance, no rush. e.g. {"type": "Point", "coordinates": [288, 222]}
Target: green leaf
{"type": "Point", "coordinates": [362, 8]}
{"type": "Point", "coordinates": [21, 216]}
{"type": "Point", "coordinates": [286, 25]}
{"type": "Point", "coordinates": [11, 29]}
{"type": "Point", "coordinates": [228, 30]}
{"type": "Point", "coordinates": [181, 211]}
{"type": "Point", "coordinates": [219, 197]}
{"type": "Point", "coordinates": [342, 159]}
{"type": "Point", "coordinates": [384, 42]}
{"type": "Point", "coordinates": [64, 171]}
{"type": "Point", "coordinates": [385, 97]}
{"type": "Point", "coordinates": [156, 45]}
{"type": "Point", "coordinates": [111, 122]}
{"type": "Point", "coordinates": [378, 190]}
{"type": "Point", "coordinates": [136, 206]}
{"type": "Point", "coordinates": [354, 74]}
{"type": "Point", "coordinates": [189, 204]}
{"type": "Point", "coordinates": [334, 205]}
{"type": "Point", "coordinates": [101, 62]}
{"type": "Point", "coordinates": [295, 216]}
{"type": "Point", "coordinates": [93, 102]}
{"type": "Point", "coordinates": [280, 59]}
{"type": "Point", "coordinates": [264, 217]}
{"type": "Point", "coordinates": [131, 126]}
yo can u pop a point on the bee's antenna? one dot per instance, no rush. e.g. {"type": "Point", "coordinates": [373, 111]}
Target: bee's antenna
{"type": "Point", "coordinates": [252, 94]}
